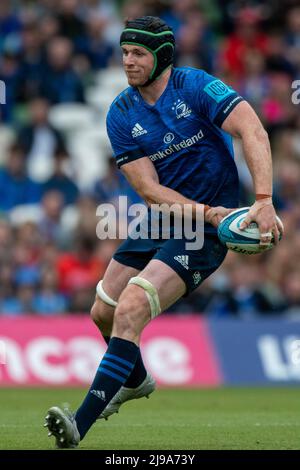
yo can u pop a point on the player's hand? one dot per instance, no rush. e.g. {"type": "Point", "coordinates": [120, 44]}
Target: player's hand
{"type": "Point", "coordinates": [214, 215]}
{"type": "Point", "coordinates": [263, 213]}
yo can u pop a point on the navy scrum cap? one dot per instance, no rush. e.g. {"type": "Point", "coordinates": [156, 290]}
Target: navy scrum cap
{"type": "Point", "coordinates": [156, 36]}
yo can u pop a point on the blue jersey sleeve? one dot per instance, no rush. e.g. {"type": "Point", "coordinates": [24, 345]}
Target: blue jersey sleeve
{"type": "Point", "coordinates": [124, 148]}
{"type": "Point", "coordinates": [212, 97]}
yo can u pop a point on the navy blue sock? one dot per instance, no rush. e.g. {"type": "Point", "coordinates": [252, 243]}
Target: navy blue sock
{"type": "Point", "coordinates": [138, 373]}
{"type": "Point", "coordinates": [114, 369]}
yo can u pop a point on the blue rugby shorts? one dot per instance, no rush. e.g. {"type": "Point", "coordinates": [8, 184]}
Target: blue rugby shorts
{"type": "Point", "coordinates": [193, 266]}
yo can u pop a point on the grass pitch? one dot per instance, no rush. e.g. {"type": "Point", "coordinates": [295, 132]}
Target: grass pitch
{"type": "Point", "coordinates": [224, 418]}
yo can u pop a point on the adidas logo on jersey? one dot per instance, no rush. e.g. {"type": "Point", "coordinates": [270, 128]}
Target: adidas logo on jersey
{"type": "Point", "coordinates": [183, 260]}
{"type": "Point", "coordinates": [138, 130]}
{"type": "Point", "coordinates": [99, 394]}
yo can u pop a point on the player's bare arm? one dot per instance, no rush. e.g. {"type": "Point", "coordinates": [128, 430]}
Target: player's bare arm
{"type": "Point", "coordinates": [143, 177]}
{"type": "Point", "coordinates": [243, 123]}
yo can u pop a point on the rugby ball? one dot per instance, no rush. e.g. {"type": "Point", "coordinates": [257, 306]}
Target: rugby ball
{"type": "Point", "coordinates": [242, 241]}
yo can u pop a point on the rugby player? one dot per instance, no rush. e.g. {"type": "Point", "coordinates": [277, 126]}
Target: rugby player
{"type": "Point", "coordinates": [171, 132]}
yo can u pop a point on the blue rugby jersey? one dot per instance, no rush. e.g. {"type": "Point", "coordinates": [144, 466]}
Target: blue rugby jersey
{"type": "Point", "coordinates": [181, 134]}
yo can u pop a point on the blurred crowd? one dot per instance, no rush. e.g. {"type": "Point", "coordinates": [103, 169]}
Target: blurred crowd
{"type": "Point", "coordinates": [50, 53]}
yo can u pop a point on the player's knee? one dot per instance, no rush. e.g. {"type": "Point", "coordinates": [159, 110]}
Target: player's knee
{"type": "Point", "coordinates": [132, 306]}
{"type": "Point", "coordinates": [94, 313]}
{"type": "Point", "coordinates": [101, 313]}
{"type": "Point", "coordinates": [126, 311]}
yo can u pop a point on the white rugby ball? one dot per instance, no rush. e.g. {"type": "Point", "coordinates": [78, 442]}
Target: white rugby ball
{"type": "Point", "coordinates": [242, 241]}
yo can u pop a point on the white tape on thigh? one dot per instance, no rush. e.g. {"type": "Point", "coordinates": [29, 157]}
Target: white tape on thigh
{"type": "Point", "coordinates": [150, 292]}
{"type": "Point", "coordinates": [103, 296]}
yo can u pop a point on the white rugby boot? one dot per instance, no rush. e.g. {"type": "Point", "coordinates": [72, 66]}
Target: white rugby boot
{"type": "Point", "coordinates": [62, 426]}
{"type": "Point", "coordinates": [126, 394]}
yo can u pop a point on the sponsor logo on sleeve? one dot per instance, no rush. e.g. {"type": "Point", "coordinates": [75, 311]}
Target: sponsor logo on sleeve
{"type": "Point", "coordinates": [218, 90]}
